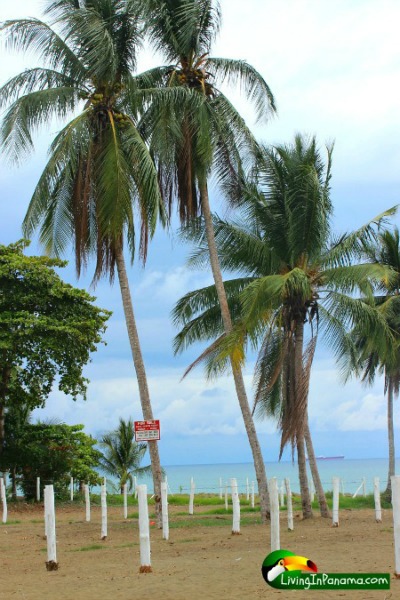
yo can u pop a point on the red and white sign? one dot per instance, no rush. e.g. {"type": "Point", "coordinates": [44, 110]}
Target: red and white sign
{"type": "Point", "coordinates": [147, 431]}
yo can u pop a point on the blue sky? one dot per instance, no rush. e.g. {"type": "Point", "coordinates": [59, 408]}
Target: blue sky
{"type": "Point", "coordinates": [334, 70]}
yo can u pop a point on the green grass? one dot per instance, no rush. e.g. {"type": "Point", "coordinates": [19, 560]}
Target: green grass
{"type": "Point", "coordinates": [128, 545]}
{"type": "Point", "coordinates": [12, 522]}
{"type": "Point", "coordinates": [89, 548]}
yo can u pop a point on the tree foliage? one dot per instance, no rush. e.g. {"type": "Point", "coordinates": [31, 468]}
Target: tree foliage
{"type": "Point", "coordinates": [297, 281]}
{"type": "Point", "coordinates": [122, 456]}
{"type": "Point", "coordinates": [52, 451]}
{"type": "Point", "coordinates": [48, 330]}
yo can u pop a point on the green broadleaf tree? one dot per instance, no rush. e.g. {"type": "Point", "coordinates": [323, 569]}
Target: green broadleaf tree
{"type": "Point", "coordinates": [297, 283]}
{"type": "Point", "coordinates": [48, 330]}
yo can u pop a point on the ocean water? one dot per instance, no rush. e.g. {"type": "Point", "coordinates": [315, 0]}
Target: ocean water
{"type": "Point", "coordinates": [207, 477]}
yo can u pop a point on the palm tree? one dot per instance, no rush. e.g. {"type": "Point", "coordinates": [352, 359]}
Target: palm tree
{"type": "Point", "coordinates": [370, 359]}
{"type": "Point", "coordinates": [99, 167]}
{"type": "Point", "coordinates": [297, 283]}
{"type": "Point", "coordinates": [190, 145]}
{"type": "Point", "coordinates": [122, 456]}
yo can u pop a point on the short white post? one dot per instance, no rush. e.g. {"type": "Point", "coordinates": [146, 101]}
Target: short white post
{"type": "Point", "coordinates": [274, 506]}
{"type": "Point", "coordinates": [220, 488]}
{"type": "Point", "coordinates": [164, 508]}
{"type": "Point", "coordinates": [226, 496]}
{"type": "Point", "coordinates": [166, 483]}
{"type": "Point", "coordinates": [103, 512]}
{"type": "Point", "coordinates": [51, 564]}
{"type": "Point", "coordinates": [71, 487]}
{"type": "Point", "coordinates": [358, 489]}
{"type": "Point", "coordinates": [377, 497]}
{"type": "Point", "coordinates": [247, 489]}
{"type": "Point", "coordinates": [364, 487]}
{"type": "Point", "coordinates": [395, 482]}
{"type": "Point", "coordinates": [191, 497]}
{"type": "Point", "coordinates": [335, 509]}
{"type": "Point", "coordinates": [125, 492]}
{"type": "Point", "coordinates": [144, 530]}
{"type": "Point", "coordinates": [3, 498]}
{"type": "Point", "coordinates": [311, 488]}
{"type": "Point", "coordinates": [44, 502]}
{"type": "Point", "coordinates": [87, 501]}
{"type": "Point", "coordinates": [282, 495]}
{"type": "Point", "coordinates": [252, 494]}
{"type": "Point", "coordinates": [38, 489]}
{"type": "Point", "coordinates": [289, 505]}
{"type": "Point", "coordinates": [135, 484]}
{"type": "Point", "coordinates": [236, 508]}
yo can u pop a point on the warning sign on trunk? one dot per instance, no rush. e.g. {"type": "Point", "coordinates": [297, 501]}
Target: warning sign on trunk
{"type": "Point", "coordinates": [147, 431]}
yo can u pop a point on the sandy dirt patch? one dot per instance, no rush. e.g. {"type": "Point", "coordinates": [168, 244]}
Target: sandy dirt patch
{"type": "Point", "coordinates": [198, 561]}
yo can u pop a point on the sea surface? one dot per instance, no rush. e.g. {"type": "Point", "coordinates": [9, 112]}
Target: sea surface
{"type": "Point", "coordinates": [209, 478]}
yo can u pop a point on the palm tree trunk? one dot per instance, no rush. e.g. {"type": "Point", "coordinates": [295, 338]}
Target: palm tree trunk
{"type": "Point", "coordinates": [14, 483]}
{"type": "Point", "coordinates": [323, 506]}
{"type": "Point", "coordinates": [303, 480]}
{"type": "Point", "coordinates": [259, 465]}
{"type": "Point", "coordinates": [392, 468]}
{"type": "Point", "coordinates": [299, 390]}
{"type": "Point", "coordinates": [141, 378]}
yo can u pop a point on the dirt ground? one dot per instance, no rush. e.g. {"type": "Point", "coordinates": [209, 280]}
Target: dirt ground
{"type": "Point", "coordinates": [198, 561]}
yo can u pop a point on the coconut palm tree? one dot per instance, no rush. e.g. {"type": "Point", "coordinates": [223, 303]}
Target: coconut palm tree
{"type": "Point", "coordinates": [370, 359]}
{"type": "Point", "coordinates": [99, 169]}
{"type": "Point", "coordinates": [122, 456]}
{"type": "Point", "coordinates": [191, 145]}
{"type": "Point", "coordinates": [297, 283]}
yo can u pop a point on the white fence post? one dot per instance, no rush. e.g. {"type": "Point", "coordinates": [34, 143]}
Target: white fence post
{"type": "Point", "coordinates": [125, 492]}
{"type": "Point", "coordinates": [377, 497]}
{"type": "Point", "coordinates": [311, 488]}
{"type": "Point", "coordinates": [3, 498]}
{"type": "Point", "coordinates": [191, 497]}
{"type": "Point", "coordinates": [358, 489]}
{"type": "Point", "coordinates": [364, 487]}
{"type": "Point", "coordinates": [51, 564]}
{"type": "Point", "coordinates": [335, 509]}
{"type": "Point", "coordinates": [164, 508]}
{"type": "Point", "coordinates": [38, 489]}
{"type": "Point", "coordinates": [236, 508]}
{"type": "Point", "coordinates": [144, 530]}
{"type": "Point", "coordinates": [252, 494]}
{"type": "Point", "coordinates": [289, 505]}
{"type": "Point", "coordinates": [274, 506]}
{"type": "Point", "coordinates": [87, 502]}
{"type": "Point", "coordinates": [71, 486]}
{"type": "Point", "coordinates": [135, 483]}
{"type": "Point", "coordinates": [103, 512]}
{"type": "Point", "coordinates": [282, 495]}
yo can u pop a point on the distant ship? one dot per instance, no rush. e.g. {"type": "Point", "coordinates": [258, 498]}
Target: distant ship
{"type": "Point", "coordinates": [329, 457]}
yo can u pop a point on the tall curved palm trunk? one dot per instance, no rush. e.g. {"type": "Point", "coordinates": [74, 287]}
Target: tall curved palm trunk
{"type": "Point", "coordinates": [259, 465]}
{"type": "Point", "coordinates": [141, 377]}
{"type": "Point", "coordinates": [323, 506]}
{"type": "Point", "coordinates": [391, 470]}
{"type": "Point", "coordinates": [300, 419]}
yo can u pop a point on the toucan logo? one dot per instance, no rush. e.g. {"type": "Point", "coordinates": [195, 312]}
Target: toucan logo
{"type": "Point", "coordinates": [283, 563]}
